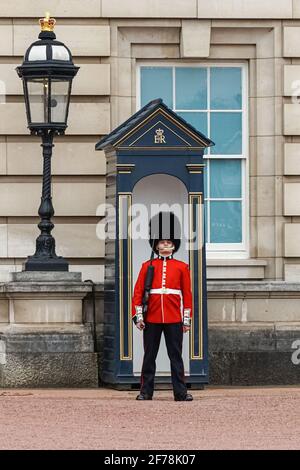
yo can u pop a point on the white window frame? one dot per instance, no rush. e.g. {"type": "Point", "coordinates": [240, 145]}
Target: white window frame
{"type": "Point", "coordinates": [218, 250]}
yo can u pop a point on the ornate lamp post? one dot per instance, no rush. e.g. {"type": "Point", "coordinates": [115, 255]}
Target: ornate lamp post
{"type": "Point", "coordinates": [47, 73]}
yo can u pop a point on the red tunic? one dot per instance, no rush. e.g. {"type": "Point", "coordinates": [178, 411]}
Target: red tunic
{"type": "Point", "coordinates": [173, 298]}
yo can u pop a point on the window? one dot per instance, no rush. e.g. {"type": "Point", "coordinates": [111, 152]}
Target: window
{"type": "Point", "coordinates": [213, 99]}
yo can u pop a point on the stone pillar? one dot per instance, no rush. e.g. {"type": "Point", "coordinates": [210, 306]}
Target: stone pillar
{"type": "Point", "coordinates": [45, 340]}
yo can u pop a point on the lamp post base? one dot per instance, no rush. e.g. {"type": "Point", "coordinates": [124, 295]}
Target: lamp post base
{"type": "Point", "coordinates": [46, 264]}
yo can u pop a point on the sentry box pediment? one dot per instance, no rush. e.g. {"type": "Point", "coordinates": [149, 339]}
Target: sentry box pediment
{"type": "Point", "coordinates": [155, 127]}
{"type": "Point", "coordinates": [154, 157]}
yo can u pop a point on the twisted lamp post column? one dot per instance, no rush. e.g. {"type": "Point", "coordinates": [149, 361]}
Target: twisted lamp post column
{"type": "Point", "coordinates": [45, 242]}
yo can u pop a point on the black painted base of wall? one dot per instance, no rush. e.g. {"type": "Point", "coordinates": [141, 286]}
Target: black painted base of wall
{"type": "Point", "coordinates": [253, 357]}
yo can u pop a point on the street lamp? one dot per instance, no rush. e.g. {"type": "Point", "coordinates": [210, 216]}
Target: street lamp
{"type": "Point", "coordinates": [47, 73]}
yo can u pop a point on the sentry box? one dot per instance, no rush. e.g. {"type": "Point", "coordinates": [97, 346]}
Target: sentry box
{"type": "Point", "coordinates": [154, 159]}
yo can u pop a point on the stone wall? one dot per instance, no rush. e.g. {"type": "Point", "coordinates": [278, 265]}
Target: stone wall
{"type": "Point", "coordinates": [254, 333]}
{"type": "Point", "coordinates": [47, 334]}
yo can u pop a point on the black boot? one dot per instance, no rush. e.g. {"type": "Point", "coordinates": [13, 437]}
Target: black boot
{"type": "Point", "coordinates": [143, 396]}
{"type": "Point", "coordinates": [186, 397]}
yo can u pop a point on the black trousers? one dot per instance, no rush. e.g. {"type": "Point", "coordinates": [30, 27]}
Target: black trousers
{"type": "Point", "coordinates": [173, 333]}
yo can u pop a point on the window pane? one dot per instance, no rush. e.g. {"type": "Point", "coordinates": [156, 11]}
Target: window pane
{"type": "Point", "coordinates": [59, 100]}
{"type": "Point", "coordinates": [38, 95]}
{"type": "Point", "coordinates": [226, 132]}
{"type": "Point", "coordinates": [37, 53]}
{"type": "Point", "coordinates": [191, 88]}
{"type": "Point", "coordinates": [197, 120]}
{"type": "Point", "coordinates": [225, 88]}
{"type": "Point", "coordinates": [225, 178]}
{"type": "Point", "coordinates": [60, 53]}
{"type": "Point", "coordinates": [225, 222]}
{"type": "Point", "coordinates": [156, 82]}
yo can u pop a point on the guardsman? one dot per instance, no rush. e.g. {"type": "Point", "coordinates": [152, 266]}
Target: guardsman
{"type": "Point", "coordinates": [169, 311]}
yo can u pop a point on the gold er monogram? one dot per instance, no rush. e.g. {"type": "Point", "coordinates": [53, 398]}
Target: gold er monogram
{"type": "Point", "coordinates": [159, 138]}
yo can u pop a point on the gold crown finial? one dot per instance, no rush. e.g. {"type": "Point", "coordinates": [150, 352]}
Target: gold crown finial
{"type": "Point", "coordinates": [47, 23]}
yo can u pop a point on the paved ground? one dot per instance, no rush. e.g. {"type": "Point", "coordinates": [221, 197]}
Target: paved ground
{"type": "Point", "coordinates": [218, 418]}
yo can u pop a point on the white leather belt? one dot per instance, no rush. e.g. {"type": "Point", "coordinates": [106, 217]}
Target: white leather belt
{"type": "Point", "coordinates": [166, 290]}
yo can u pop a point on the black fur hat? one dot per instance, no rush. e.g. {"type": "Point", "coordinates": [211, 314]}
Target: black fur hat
{"type": "Point", "coordinates": [164, 226]}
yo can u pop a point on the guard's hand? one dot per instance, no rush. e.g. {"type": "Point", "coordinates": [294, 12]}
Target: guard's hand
{"type": "Point", "coordinates": [186, 328]}
{"type": "Point", "coordinates": [140, 325]}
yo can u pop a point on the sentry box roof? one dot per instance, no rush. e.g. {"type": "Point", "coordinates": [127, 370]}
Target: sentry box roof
{"type": "Point", "coordinates": [155, 127]}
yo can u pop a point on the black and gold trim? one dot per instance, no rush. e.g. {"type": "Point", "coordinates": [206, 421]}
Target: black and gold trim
{"type": "Point", "coordinates": [195, 167]}
{"type": "Point", "coordinates": [125, 167]}
{"type": "Point", "coordinates": [195, 260]}
{"type": "Point", "coordinates": [125, 276]}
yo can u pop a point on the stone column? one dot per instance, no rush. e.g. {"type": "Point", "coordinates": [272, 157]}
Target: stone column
{"type": "Point", "coordinates": [46, 341]}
